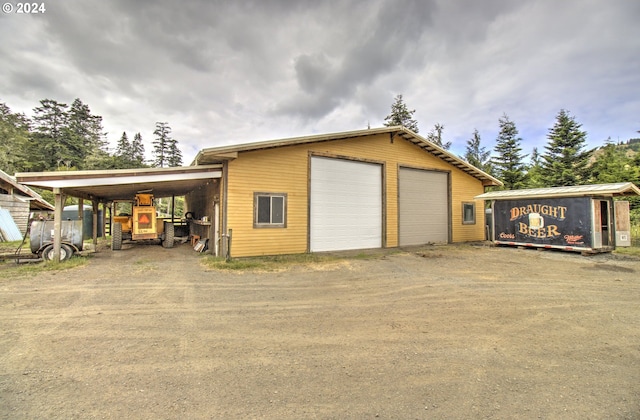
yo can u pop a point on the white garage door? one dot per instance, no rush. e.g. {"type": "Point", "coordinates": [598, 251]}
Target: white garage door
{"type": "Point", "coordinates": [424, 208]}
{"type": "Point", "coordinates": [346, 205]}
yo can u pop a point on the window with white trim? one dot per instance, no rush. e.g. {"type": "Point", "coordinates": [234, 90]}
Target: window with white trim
{"type": "Point", "coordinates": [468, 213]}
{"type": "Point", "coordinates": [270, 210]}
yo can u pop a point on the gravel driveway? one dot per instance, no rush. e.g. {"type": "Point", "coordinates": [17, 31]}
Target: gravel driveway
{"type": "Point", "coordinates": [429, 333]}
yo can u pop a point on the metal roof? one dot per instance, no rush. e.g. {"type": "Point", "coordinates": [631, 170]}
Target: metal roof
{"type": "Point", "coordinates": [219, 154]}
{"type": "Point", "coordinates": [123, 184]}
{"type": "Point", "coordinates": [9, 231]}
{"type": "Point", "coordinates": [621, 188]}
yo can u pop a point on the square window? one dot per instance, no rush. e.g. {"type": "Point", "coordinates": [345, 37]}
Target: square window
{"type": "Point", "coordinates": [468, 213]}
{"type": "Point", "coordinates": [270, 210]}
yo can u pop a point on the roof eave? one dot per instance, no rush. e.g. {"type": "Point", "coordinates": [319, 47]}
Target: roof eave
{"type": "Point", "coordinates": [434, 149]}
{"type": "Point", "coordinates": [615, 190]}
{"type": "Point", "coordinates": [219, 154]}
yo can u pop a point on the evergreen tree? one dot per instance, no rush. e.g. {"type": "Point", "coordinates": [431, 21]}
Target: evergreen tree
{"type": "Point", "coordinates": [401, 115]}
{"type": "Point", "coordinates": [534, 174]}
{"type": "Point", "coordinates": [508, 163]}
{"type": "Point", "coordinates": [51, 144]}
{"type": "Point", "coordinates": [435, 136]}
{"type": "Point", "coordinates": [565, 160]}
{"type": "Point", "coordinates": [175, 155]}
{"type": "Point", "coordinates": [123, 148]}
{"type": "Point", "coordinates": [161, 145]}
{"type": "Point", "coordinates": [86, 132]}
{"type": "Point", "coordinates": [137, 151]}
{"type": "Point", "coordinates": [476, 154]}
{"type": "Point", "coordinates": [14, 141]}
{"type": "Point", "coordinates": [612, 164]}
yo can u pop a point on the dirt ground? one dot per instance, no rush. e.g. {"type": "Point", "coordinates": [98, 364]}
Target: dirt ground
{"type": "Point", "coordinates": [430, 333]}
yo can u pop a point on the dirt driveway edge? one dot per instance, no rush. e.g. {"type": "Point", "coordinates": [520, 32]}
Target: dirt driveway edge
{"type": "Point", "coordinates": [432, 332]}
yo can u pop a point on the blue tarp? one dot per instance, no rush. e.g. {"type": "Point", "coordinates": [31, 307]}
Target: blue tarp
{"type": "Point", "coordinates": [8, 229]}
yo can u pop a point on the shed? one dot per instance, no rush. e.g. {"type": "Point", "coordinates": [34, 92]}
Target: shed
{"type": "Point", "coordinates": [20, 200]}
{"type": "Point", "coordinates": [574, 218]}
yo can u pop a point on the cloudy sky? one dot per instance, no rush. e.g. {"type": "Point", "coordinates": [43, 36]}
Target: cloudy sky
{"type": "Point", "coordinates": [225, 72]}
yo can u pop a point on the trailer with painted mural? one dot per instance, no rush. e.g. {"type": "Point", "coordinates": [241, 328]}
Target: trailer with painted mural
{"type": "Point", "coordinates": [584, 218]}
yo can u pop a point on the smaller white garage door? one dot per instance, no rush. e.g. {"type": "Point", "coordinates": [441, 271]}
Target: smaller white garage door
{"type": "Point", "coordinates": [346, 205]}
{"type": "Point", "coordinates": [424, 207]}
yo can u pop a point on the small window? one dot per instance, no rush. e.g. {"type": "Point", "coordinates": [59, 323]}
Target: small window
{"type": "Point", "coordinates": [270, 210]}
{"type": "Point", "coordinates": [468, 213]}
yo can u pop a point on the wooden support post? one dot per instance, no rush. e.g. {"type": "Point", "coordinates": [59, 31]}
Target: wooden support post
{"type": "Point", "coordinates": [173, 207]}
{"type": "Point", "coordinates": [94, 202]}
{"type": "Point", "coordinates": [103, 220]}
{"type": "Point", "coordinates": [57, 223]}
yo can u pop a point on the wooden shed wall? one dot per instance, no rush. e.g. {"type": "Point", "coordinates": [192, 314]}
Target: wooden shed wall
{"type": "Point", "coordinates": [285, 170]}
{"type": "Point", "coordinates": [18, 209]}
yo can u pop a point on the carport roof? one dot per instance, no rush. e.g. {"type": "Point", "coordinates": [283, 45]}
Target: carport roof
{"type": "Point", "coordinates": [219, 154]}
{"type": "Point", "coordinates": [123, 184]}
{"type": "Point", "coordinates": [607, 190]}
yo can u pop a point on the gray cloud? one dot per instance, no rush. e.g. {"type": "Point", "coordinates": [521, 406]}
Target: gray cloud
{"type": "Point", "coordinates": [383, 37]}
{"type": "Point", "coordinates": [221, 72]}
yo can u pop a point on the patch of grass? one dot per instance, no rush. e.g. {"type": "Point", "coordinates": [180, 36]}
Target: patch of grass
{"type": "Point", "coordinates": [267, 263]}
{"type": "Point", "coordinates": [632, 250]}
{"type": "Point", "coordinates": [10, 247]}
{"type": "Point", "coordinates": [12, 270]}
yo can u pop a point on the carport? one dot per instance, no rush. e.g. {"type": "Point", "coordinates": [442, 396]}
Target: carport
{"type": "Point", "coordinates": [105, 186]}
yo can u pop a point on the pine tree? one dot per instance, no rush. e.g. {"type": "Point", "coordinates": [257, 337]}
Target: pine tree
{"type": "Point", "coordinates": [161, 145]}
{"type": "Point", "coordinates": [123, 149]}
{"type": "Point", "coordinates": [86, 133]}
{"type": "Point", "coordinates": [401, 115]}
{"type": "Point", "coordinates": [435, 136]}
{"type": "Point", "coordinates": [137, 151]}
{"type": "Point", "coordinates": [534, 172]}
{"type": "Point", "coordinates": [86, 127]}
{"type": "Point", "coordinates": [565, 160]}
{"type": "Point", "coordinates": [612, 164]}
{"type": "Point", "coordinates": [51, 137]}
{"type": "Point", "coordinates": [508, 163]}
{"type": "Point", "coordinates": [175, 155]}
{"type": "Point", "coordinates": [477, 155]}
{"type": "Point", "coordinates": [14, 140]}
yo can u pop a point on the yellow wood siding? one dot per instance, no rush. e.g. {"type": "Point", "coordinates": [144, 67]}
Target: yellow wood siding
{"type": "Point", "coordinates": [285, 170]}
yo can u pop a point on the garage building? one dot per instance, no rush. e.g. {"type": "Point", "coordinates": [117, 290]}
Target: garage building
{"type": "Point", "coordinates": [373, 188]}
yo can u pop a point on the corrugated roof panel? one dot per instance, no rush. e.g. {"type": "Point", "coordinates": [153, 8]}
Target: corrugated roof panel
{"type": "Point", "coordinates": [621, 188]}
{"type": "Point", "coordinates": [8, 227]}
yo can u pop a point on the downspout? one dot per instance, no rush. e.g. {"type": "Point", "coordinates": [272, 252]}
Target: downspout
{"type": "Point", "coordinates": [223, 219]}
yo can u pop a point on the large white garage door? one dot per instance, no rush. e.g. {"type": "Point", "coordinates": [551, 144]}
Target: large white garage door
{"type": "Point", "coordinates": [424, 208]}
{"type": "Point", "coordinates": [346, 205]}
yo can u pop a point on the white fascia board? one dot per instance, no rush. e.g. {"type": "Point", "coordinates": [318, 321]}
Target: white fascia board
{"type": "Point", "coordinates": [125, 180]}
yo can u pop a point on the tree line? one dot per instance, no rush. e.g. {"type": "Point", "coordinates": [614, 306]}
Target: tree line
{"type": "Point", "coordinates": [62, 137]}
{"type": "Point", "coordinates": [565, 161]}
